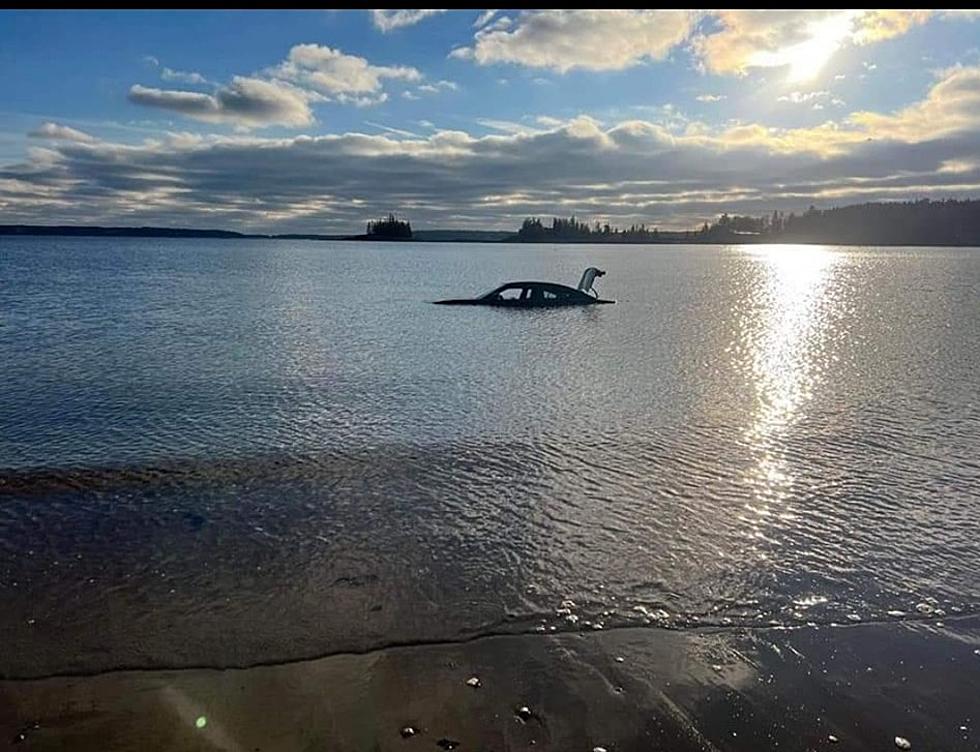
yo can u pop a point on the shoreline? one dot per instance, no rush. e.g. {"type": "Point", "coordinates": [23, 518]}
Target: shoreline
{"type": "Point", "coordinates": [22, 231]}
{"type": "Point", "coordinates": [636, 689]}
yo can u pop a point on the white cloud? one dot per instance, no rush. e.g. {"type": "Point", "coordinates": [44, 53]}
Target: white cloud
{"type": "Point", "coordinates": [951, 106]}
{"type": "Point", "coordinates": [438, 86]}
{"type": "Point", "coordinates": [629, 171]}
{"type": "Point", "coordinates": [245, 102]}
{"type": "Point", "coordinates": [281, 95]}
{"type": "Point", "coordinates": [878, 25]}
{"type": "Point", "coordinates": [710, 97]}
{"type": "Point", "coordinates": [801, 40]}
{"type": "Point", "coordinates": [389, 129]}
{"type": "Point", "coordinates": [484, 18]}
{"type": "Point", "coordinates": [799, 97]}
{"type": "Point", "coordinates": [387, 20]}
{"type": "Point", "coordinates": [592, 40]}
{"type": "Point", "coordinates": [184, 77]}
{"type": "Point", "coordinates": [58, 132]}
{"type": "Point", "coordinates": [346, 78]}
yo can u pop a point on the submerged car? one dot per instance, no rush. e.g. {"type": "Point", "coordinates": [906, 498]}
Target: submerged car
{"type": "Point", "coordinates": [538, 294]}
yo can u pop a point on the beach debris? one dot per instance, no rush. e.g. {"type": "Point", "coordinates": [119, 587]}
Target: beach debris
{"type": "Point", "coordinates": [977, 651]}
{"type": "Point", "coordinates": [924, 608]}
{"type": "Point", "coordinates": [447, 744]}
{"type": "Point", "coordinates": [854, 617]}
{"type": "Point", "coordinates": [832, 739]}
{"type": "Point", "coordinates": [408, 732]}
{"type": "Point", "coordinates": [201, 721]}
{"type": "Point", "coordinates": [568, 603]}
{"type": "Point", "coordinates": [902, 743]}
{"type": "Point", "coordinates": [598, 749]}
{"type": "Point", "coordinates": [597, 625]}
{"type": "Point", "coordinates": [620, 659]}
{"type": "Point", "coordinates": [22, 735]}
{"type": "Point", "coordinates": [474, 681]}
{"type": "Point", "coordinates": [524, 713]}
{"type": "Point", "coordinates": [896, 613]}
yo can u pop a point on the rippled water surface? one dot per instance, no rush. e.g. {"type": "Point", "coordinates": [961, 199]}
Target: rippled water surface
{"type": "Point", "coordinates": [232, 452]}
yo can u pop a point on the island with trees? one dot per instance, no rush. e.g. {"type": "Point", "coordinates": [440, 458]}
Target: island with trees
{"type": "Point", "coordinates": [389, 228]}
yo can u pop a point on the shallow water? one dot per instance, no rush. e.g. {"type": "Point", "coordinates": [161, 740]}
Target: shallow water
{"type": "Point", "coordinates": [223, 453]}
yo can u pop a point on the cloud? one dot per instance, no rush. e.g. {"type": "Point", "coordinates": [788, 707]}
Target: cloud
{"type": "Point", "coordinates": [591, 40]}
{"type": "Point", "coordinates": [951, 106]}
{"type": "Point", "coordinates": [438, 86]}
{"type": "Point", "coordinates": [484, 18]}
{"type": "Point", "coordinates": [877, 25]}
{"type": "Point", "coordinates": [388, 20]}
{"type": "Point", "coordinates": [245, 102]}
{"type": "Point", "coordinates": [710, 97]}
{"type": "Point", "coordinates": [281, 95]}
{"type": "Point", "coordinates": [342, 77]}
{"type": "Point", "coordinates": [184, 77]}
{"type": "Point", "coordinates": [58, 132]}
{"type": "Point", "coordinates": [799, 97]}
{"type": "Point", "coordinates": [389, 129]}
{"type": "Point", "coordinates": [802, 40]}
{"type": "Point", "coordinates": [664, 170]}
{"type": "Point", "coordinates": [749, 39]}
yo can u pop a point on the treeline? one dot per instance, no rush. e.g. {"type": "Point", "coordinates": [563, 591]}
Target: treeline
{"type": "Point", "coordinates": [390, 228]}
{"type": "Point", "coordinates": [571, 230]}
{"type": "Point", "coordinates": [923, 222]}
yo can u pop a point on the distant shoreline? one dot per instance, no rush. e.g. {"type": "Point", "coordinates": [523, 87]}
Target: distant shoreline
{"type": "Point", "coordinates": [424, 236]}
{"type": "Point", "coordinates": [442, 236]}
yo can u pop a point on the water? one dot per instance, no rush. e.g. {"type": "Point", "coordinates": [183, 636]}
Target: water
{"type": "Point", "coordinates": [219, 453]}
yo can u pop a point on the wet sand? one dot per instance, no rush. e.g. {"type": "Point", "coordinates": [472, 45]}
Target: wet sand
{"type": "Point", "coordinates": [622, 689]}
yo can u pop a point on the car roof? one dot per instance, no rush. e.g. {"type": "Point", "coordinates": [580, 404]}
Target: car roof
{"type": "Point", "coordinates": [552, 285]}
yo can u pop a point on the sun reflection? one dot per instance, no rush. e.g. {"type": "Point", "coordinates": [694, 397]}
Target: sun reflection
{"type": "Point", "coordinates": [785, 327]}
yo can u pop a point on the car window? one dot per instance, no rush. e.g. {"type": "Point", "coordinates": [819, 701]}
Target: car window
{"type": "Point", "coordinates": [510, 293]}
{"type": "Point", "coordinates": [549, 295]}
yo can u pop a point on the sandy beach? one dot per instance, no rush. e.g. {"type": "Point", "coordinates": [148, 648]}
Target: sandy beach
{"type": "Point", "coordinates": [626, 689]}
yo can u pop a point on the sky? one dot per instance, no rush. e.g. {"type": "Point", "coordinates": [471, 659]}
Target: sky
{"type": "Point", "coordinates": [318, 121]}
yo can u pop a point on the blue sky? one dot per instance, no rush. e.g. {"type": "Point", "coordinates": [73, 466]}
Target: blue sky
{"type": "Point", "coordinates": [320, 120]}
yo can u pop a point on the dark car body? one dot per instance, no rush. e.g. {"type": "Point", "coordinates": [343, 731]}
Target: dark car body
{"type": "Point", "coordinates": [530, 295]}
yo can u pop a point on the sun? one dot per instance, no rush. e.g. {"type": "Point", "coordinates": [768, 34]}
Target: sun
{"type": "Point", "coordinates": [807, 58]}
